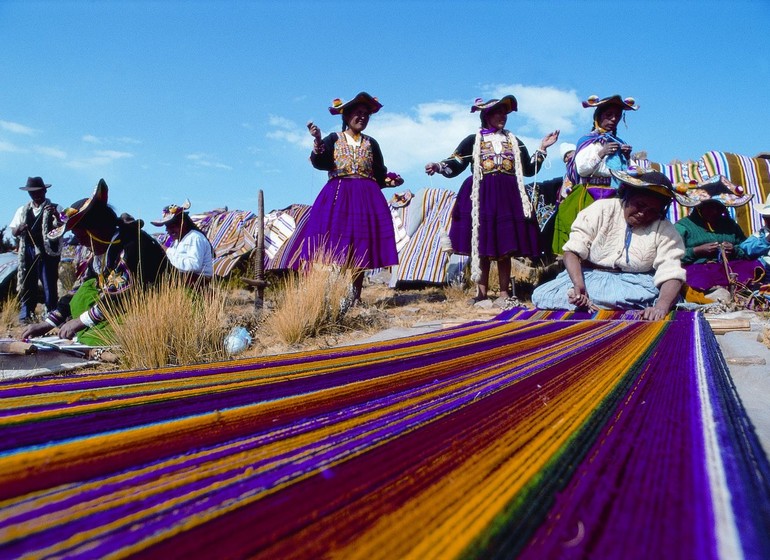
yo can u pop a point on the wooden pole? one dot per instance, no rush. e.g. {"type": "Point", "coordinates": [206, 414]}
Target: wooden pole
{"type": "Point", "coordinates": [259, 300]}
{"type": "Point", "coordinates": [258, 282]}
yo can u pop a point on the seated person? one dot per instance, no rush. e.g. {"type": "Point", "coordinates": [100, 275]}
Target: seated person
{"type": "Point", "coordinates": [123, 258]}
{"type": "Point", "coordinates": [621, 253]}
{"type": "Point", "coordinates": [712, 238]}
{"type": "Point", "coordinates": [757, 245]}
{"type": "Point", "coordinates": [191, 252]}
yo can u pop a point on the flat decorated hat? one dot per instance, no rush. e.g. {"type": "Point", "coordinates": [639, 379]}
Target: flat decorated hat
{"type": "Point", "coordinates": [72, 216]}
{"type": "Point", "coordinates": [647, 179]}
{"type": "Point", "coordinates": [627, 103]}
{"type": "Point", "coordinates": [718, 189]}
{"type": "Point", "coordinates": [363, 98]}
{"type": "Point", "coordinates": [508, 101]}
{"type": "Point", "coordinates": [171, 213]}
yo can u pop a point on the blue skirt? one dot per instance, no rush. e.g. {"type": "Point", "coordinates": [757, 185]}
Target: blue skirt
{"type": "Point", "coordinates": [607, 290]}
{"type": "Point", "coordinates": [503, 229]}
{"type": "Point", "coordinates": [350, 222]}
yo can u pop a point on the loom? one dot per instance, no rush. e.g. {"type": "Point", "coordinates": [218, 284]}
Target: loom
{"type": "Point", "coordinates": [535, 435]}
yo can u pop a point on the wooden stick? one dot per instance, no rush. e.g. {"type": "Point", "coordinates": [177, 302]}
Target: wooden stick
{"type": "Point", "coordinates": [17, 347]}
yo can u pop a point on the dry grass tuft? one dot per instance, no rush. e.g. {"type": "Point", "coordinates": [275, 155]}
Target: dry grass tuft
{"type": "Point", "coordinates": [9, 314]}
{"type": "Point", "coordinates": [168, 325]}
{"type": "Point", "coordinates": [310, 303]}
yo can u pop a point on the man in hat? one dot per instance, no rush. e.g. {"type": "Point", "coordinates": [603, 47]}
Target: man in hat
{"type": "Point", "coordinates": [38, 255]}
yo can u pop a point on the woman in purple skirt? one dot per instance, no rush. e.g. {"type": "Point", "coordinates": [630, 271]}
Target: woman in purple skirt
{"type": "Point", "coordinates": [350, 220]}
{"type": "Point", "coordinates": [493, 218]}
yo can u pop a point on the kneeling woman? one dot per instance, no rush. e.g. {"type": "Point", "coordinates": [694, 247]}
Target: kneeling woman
{"type": "Point", "coordinates": [622, 253]}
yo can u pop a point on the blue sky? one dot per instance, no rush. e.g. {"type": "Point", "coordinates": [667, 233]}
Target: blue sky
{"type": "Point", "coordinates": [209, 100]}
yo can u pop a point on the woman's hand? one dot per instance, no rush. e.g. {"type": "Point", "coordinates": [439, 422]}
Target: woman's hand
{"type": "Point", "coordinates": [549, 140]}
{"type": "Point", "coordinates": [729, 248]}
{"type": "Point", "coordinates": [626, 150]}
{"type": "Point", "coordinates": [578, 296]}
{"type": "Point", "coordinates": [608, 149]}
{"type": "Point", "coordinates": [71, 328]}
{"type": "Point", "coordinates": [393, 179]}
{"type": "Point", "coordinates": [654, 313]}
{"type": "Point", "coordinates": [37, 329]}
{"type": "Point", "coordinates": [432, 168]}
{"type": "Point", "coordinates": [315, 132]}
{"type": "Point", "coordinates": [706, 250]}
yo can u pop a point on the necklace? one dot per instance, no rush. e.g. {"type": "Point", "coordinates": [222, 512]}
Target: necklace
{"type": "Point", "coordinates": [102, 241]}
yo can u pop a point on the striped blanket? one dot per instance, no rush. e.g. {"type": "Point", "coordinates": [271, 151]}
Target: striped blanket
{"type": "Point", "coordinates": [542, 438]}
{"type": "Point", "coordinates": [751, 173]}
{"type": "Point", "coordinates": [421, 257]}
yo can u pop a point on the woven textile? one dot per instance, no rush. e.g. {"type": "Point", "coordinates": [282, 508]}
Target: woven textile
{"type": "Point", "coordinates": [422, 258]}
{"type": "Point", "coordinates": [751, 173]}
{"type": "Point", "coordinates": [540, 438]}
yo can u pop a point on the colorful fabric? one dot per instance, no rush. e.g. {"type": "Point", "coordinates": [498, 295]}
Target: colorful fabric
{"type": "Point", "coordinates": [503, 229]}
{"type": "Point", "coordinates": [423, 258]}
{"type": "Point", "coordinates": [753, 174]}
{"type": "Point", "coordinates": [84, 299]}
{"type": "Point", "coordinates": [351, 223]}
{"type": "Point", "coordinates": [532, 439]}
{"type": "Point", "coordinates": [289, 251]}
{"type": "Point", "coordinates": [569, 208]}
{"type": "Point", "coordinates": [607, 290]}
{"type": "Point", "coordinates": [230, 237]}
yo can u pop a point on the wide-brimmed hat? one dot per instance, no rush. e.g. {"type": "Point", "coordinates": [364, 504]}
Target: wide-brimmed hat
{"type": "Point", "coordinates": [626, 103]}
{"type": "Point", "coordinates": [171, 213]}
{"type": "Point", "coordinates": [508, 100]}
{"type": "Point", "coordinates": [717, 189]}
{"type": "Point", "coordinates": [71, 216]}
{"type": "Point", "coordinates": [763, 209]}
{"type": "Point", "coordinates": [647, 179]}
{"type": "Point", "coordinates": [363, 98]}
{"type": "Point", "coordinates": [35, 184]}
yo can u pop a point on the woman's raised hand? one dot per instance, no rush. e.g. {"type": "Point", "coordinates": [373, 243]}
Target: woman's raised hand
{"type": "Point", "coordinates": [315, 132]}
{"type": "Point", "coordinates": [431, 168]}
{"type": "Point", "coordinates": [549, 140]}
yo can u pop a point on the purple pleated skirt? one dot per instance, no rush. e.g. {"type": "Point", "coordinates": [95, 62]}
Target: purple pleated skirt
{"type": "Point", "coordinates": [705, 276]}
{"type": "Point", "coordinates": [503, 229]}
{"type": "Point", "coordinates": [350, 221]}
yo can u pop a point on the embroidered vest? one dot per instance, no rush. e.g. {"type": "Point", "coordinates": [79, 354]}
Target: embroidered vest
{"type": "Point", "coordinates": [492, 162]}
{"type": "Point", "coordinates": [352, 160]}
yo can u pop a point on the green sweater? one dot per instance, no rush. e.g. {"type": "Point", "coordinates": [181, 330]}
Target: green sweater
{"type": "Point", "coordinates": [694, 232]}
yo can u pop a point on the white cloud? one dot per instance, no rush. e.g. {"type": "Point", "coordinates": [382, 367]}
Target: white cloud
{"type": "Point", "coordinates": [50, 152]}
{"type": "Point", "coordinates": [205, 160]}
{"type": "Point", "coordinates": [286, 130]}
{"type": "Point", "coordinates": [100, 158]}
{"type": "Point", "coordinates": [9, 147]}
{"type": "Point", "coordinates": [434, 129]}
{"type": "Point", "coordinates": [17, 128]}
{"type": "Point", "coordinates": [92, 139]}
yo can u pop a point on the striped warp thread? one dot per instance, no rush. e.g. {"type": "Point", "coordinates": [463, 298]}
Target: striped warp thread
{"type": "Point", "coordinates": [537, 435]}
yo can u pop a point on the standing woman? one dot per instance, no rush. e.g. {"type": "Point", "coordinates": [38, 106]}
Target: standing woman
{"type": "Point", "coordinates": [350, 220]}
{"type": "Point", "coordinates": [493, 218]}
{"type": "Point", "coordinates": [597, 153]}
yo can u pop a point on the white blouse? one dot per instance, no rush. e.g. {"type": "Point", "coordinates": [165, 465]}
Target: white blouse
{"type": "Point", "coordinates": [599, 235]}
